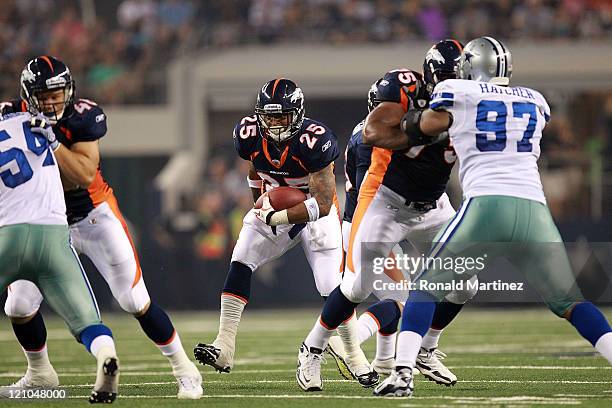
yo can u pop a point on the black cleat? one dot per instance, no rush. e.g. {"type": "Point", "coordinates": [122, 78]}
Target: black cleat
{"type": "Point", "coordinates": [207, 354]}
{"type": "Point", "coordinates": [368, 380]}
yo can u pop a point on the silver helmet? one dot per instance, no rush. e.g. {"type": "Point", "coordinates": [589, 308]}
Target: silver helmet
{"type": "Point", "coordinates": [486, 59]}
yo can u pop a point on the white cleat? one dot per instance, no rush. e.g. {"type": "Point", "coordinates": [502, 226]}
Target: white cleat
{"type": "Point", "coordinates": [217, 355]}
{"type": "Point", "coordinates": [383, 367]}
{"type": "Point", "coordinates": [190, 387]}
{"type": "Point", "coordinates": [107, 377]}
{"type": "Point", "coordinates": [33, 379]}
{"type": "Point", "coordinates": [308, 373]}
{"type": "Point", "coordinates": [398, 384]}
{"type": "Point", "coordinates": [429, 364]}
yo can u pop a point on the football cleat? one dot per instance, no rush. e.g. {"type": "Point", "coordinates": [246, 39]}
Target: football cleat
{"type": "Point", "coordinates": [308, 373]}
{"type": "Point", "coordinates": [352, 367]}
{"type": "Point", "coordinates": [190, 387]}
{"type": "Point", "coordinates": [383, 367]}
{"type": "Point", "coordinates": [429, 364]}
{"type": "Point", "coordinates": [335, 348]}
{"type": "Point", "coordinates": [33, 379]}
{"type": "Point", "coordinates": [107, 382]}
{"type": "Point", "coordinates": [220, 359]}
{"type": "Point", "coordinates": [398, 384]}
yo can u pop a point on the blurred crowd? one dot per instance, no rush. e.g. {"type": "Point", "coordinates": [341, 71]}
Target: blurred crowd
{"type": "Point", "coordinates": [119, 49]}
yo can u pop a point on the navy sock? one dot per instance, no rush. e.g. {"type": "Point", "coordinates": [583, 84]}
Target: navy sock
{"type": "Point", "coordinates": [337, 309]}
{"type": "Point", "coordinates": [156, 324]}
{"type": "Point", "coordinates": [31, 335]}
{"type": "Point", "coordinates": [238, 280]}
{"type": "Point", "coordinates": [91, 332]}
{"type": "Point", "coordinates": [418, 312]}
{"type": "Point", "coordinates": [387, 313]}
{"type": "Point", "coordinates": [445, 313]}
{"type": "Point", "coordinates": [589, 321]}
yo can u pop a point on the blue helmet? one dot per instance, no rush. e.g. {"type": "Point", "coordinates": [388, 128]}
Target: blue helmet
{"type": "Point", "coordinates": [280, 109]}
{"type": "Point", "coordinates": [440, 62]}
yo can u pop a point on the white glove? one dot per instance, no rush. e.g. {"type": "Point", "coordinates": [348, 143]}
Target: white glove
{"type": "Point", "coordinates": [268, 215]}
{"type": "Point", "coordinates": [41, 125]}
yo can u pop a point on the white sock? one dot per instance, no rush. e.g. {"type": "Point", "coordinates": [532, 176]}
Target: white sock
{"type": "Point", "coordinates": [38, 360]}
{"type": "Point", "coordinates": [171, 346]}
{"type": "Point", "coordinates": [431, 339]}
{"type": "Point", "coordinates": [408, 345]}
{"type": "Point", "coordinates": [231, 312]}
{"type": "Point", "coordinates": [604, 346]}
{"type": "Point", "coordinates": [349, 332]}
{"type": "Point", "coordinates": [318, 336]}
{"type": "Point", "coordinates": [367, 326]}
{"type": "Point", "coordinates": [385, 346]}
{"type": "Point", "coordinates": [102, 342]}
{"type": "Point", "coordinates": [174, 352]}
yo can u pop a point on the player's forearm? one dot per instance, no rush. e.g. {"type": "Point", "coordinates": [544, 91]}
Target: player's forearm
{"type": "Point", "coordinates": [385, 136]}
{"type": "Point", "coordinates": [76, 168]}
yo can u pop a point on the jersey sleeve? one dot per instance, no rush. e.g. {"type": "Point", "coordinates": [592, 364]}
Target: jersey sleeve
{"type": "Point", "coordinates": [364, 159]}
{"type": "Point", "coordinates": [12, 106]}
{"type": "Point", "coordinates": [318, 149]}
{"type": "Point", "coordinates": [399, 85]}
{"type": "Point", "coordinates": [543, 107]}
{"type": "Point", "coordinates": [245, 137]}
{"type": "Point", "coordinates": [443, 96]}
{"type": "Point", "coordinates": [88, 126]}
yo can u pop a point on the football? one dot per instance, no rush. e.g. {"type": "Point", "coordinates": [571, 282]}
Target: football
{"type": "Point", "coordinates": [282, 198]}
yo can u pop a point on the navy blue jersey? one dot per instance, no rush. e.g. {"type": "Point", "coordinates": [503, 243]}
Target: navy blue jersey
{"type": "Point", "coordinates": [419, 173]}
{"type": "Point", "coordinates": [82, 122]}
{"type": "Point", "coordinates": [357, 158]}
{"type": "Point", "coordinates": [290, 163]}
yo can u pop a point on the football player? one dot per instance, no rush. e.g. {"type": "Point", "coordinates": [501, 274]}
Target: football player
{"type": "Point", "coordinates": [285, 148]}
{"type": "Point", "coordinates": [496, 131]}
{"type": "Point", "coordinates": [97, 228]}
{"type": "Point", "coordinates": [35, 245]}
{"type": "Point", "coordinates": [401, 198]}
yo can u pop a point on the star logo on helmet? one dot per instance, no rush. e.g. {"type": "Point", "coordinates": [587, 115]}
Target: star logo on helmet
{"type": "Point", "coordinates": [468, 56]}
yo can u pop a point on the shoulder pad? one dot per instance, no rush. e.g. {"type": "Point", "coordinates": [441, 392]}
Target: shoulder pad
{"type": "Point", "coordinates": [245, 136]}
{"type": "Point", "coordinates": [318, 145]}
{"type": "Point", "coordinates": [399, 85]}
{"type": "Point", "coordinates": [87, 121]}
{"type": "Point", "coordinates": [443, 96]}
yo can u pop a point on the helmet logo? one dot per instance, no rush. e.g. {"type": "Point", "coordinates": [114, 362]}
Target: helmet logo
{"type": "Point", "coordinates": [296, 95]}
{"type": "Point", "coordinates": [434, 54]}
{"type": "Point", "coordinates": [27, 75]}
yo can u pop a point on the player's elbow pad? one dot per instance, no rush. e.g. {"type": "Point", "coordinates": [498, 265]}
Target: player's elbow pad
{"type": "Point", "coordinates": [411, 126]}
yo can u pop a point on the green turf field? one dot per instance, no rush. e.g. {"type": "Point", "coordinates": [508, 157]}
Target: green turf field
{"type": "Point", "coordinates": [499, 362]}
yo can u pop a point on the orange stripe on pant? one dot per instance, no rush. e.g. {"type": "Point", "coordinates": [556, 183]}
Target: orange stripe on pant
{"type": "Point", "coordinates": [376, 172]}
{"type": "Point", "coordinates": [112, 203]}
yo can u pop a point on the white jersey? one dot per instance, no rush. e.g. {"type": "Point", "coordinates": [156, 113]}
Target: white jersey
{"type": "Point", "coordinates": [30, 185]}
{"type": "Point", "coordinates": [496, 133]}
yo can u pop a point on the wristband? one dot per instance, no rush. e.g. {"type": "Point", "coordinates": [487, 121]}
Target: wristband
{"type": "Point", "coordinates": [255, 183]}
{"type": "Point", "coordinates": [313, 208]}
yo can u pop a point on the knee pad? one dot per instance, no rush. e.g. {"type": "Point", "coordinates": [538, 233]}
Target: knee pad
{"type": "Point", "coordinates": [463, 296]}
{"type": "Point", "coordinates": [22, 302]}
{"type": "Point", "coordinates": [135, 299]}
